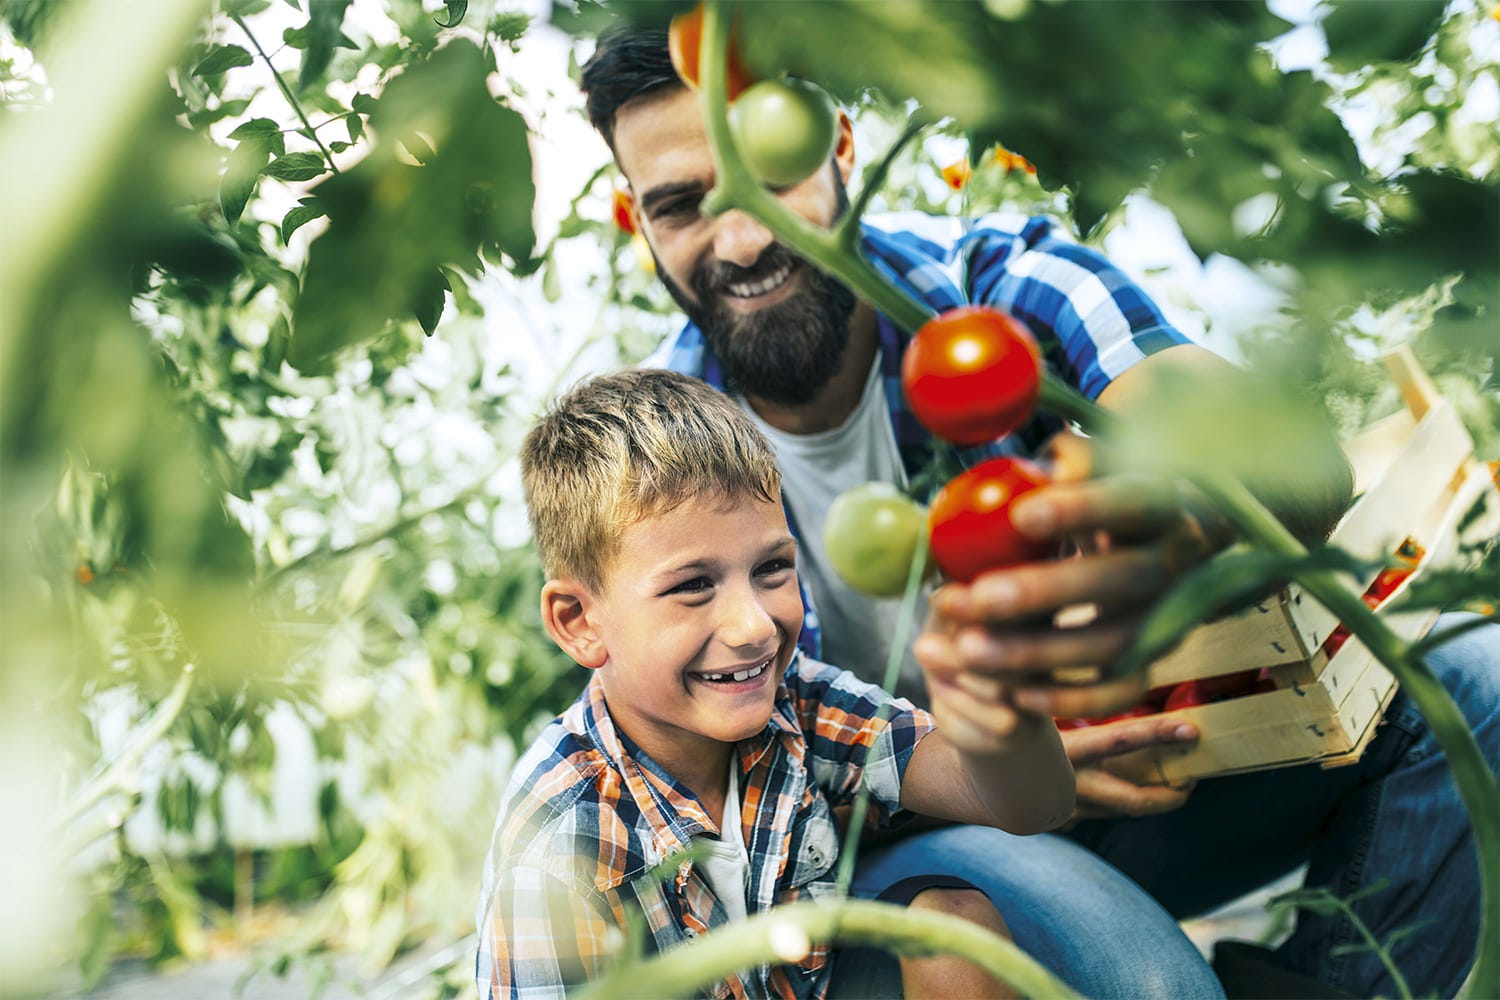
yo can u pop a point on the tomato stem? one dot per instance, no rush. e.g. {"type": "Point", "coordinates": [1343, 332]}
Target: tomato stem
{"type": "Point", "coordinates": [893, 660]}
{"type": "Point", "coordinates": [847, 231]}
{"type": "Point", "coordinates": [1471, 773]}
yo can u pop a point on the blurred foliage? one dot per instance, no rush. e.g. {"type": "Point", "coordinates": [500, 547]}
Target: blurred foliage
{"type": "Point", "coordinates": [259, 406]}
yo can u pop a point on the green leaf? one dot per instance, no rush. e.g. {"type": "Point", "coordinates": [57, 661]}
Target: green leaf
{"type": "Point", "coordinates": [223, 59]}
{"type": "Point", "coordinates": [429, 301]}
{"type": "Point", "coordinates": [293, 4]}
{"type": "Point", "coordinates": [263, 130]}
{"type": "Point", "coordinates": [298, 217]}
{"type": "Point", "coordinates": [296, 167]}
{"type": "Point", "coordinates": [456, 11]}
{"type": "Point", "coordinates": [245, 8]}
{"type": "Point", "coordinates": [324, 23]}
{"type": "Point", "coordinates": [356, 126]}
{"type": "Point", "coordinates": [297, 38]}
{"type": "Point", "coordinates": [1361, 33]}
{"type": "Point", "coordinates": [419, 148]}
{"type": "Point", "coordinates": [473, 196]}
{"type": "Point", "coordinates": [240, 176]}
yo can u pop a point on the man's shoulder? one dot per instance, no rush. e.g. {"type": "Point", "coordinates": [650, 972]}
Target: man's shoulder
{"type": "Point", "coordinates": [940, 235]}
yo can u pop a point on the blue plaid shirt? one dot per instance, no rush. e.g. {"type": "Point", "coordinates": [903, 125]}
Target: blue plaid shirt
{"type": "Point", "coordinates": [588, 817]}
{"type": "Point", "coordinates": [1091, 321]}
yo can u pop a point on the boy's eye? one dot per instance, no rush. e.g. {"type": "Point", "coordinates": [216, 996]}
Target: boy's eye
{"type": "Point", "coordinates": [696, 585]}
{"type": "Point", "coordinates": [774, 566]}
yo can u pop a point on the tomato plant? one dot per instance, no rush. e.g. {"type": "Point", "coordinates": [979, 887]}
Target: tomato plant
{"type": "Point", "coordinates": [685, 43]}
{"type": "Point", "coordinates": [871, 534]}
{"type": "Point", "coordinates": [970, 519]}
{"type": "Point", "coordinates": [972, 374]}
{"type": "Point", "coordinates": [784, 129]}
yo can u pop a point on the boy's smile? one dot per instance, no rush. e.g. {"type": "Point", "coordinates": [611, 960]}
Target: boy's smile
{"type": "Point", "coordinates": [698, 618]}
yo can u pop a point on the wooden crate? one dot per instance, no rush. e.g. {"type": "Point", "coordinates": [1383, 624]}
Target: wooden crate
{"type": "Point", "coordinates": [1416, 479]}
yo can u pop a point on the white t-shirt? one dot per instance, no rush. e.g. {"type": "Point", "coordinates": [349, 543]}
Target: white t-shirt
{"type": "Point", "coordinates": [815, 469]}
{"type": "Point", "coordinates": [726, 867]}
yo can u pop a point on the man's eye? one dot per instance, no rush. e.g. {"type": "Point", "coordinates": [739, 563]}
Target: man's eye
{"type": "Point", "coordinates": [696, 585]}
{"type": "Point", "coordinates": [679, 208]}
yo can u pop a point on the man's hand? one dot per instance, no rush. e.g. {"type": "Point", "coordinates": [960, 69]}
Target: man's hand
{"type": "Point", "coordinates": [1052, 631]}
{"type": "Point", "coordinates": [1101, 793]}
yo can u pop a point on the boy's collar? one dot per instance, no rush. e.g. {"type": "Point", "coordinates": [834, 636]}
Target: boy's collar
{"type": "Point", "coordinates": [674, 814]}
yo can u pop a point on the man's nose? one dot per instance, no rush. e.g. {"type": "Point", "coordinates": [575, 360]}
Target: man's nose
{"type": "Point", "coordinates": [739, 239]}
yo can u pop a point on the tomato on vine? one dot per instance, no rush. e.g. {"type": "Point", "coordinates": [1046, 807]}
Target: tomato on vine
{"type": "Point", "coordinates": [685, 42]}
{"type": "Point", "coordinates": [784, 130]}
{"type": "Point", "coordinates": [972, 374]}
{"type": "Point", "coordinates": [871, 535]}
{"type": "Point", "coordinates": [970, 522]}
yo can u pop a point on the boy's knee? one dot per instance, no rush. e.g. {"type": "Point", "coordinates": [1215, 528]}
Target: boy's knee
{"type": "Point", "coordinates": [948, 976]}
{"type": "Point", "coordinates": [969, 904]}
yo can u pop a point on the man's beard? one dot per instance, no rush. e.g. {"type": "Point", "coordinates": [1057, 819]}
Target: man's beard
{"type": "Point", "coordinates": [785, 353]}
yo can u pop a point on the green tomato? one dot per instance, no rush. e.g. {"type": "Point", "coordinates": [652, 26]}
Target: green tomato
{"type": "Point", "coordinates": [871, 534]}
{"type": "Point", "coordinates": [784, 130]}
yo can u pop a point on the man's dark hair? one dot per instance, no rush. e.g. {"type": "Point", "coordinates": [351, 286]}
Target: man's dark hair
{"type": "Point", "coordinates": [630, 62]}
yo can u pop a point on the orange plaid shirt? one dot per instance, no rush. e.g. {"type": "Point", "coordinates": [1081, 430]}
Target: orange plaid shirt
{"type": "Point", "coordinates": [588, 816]}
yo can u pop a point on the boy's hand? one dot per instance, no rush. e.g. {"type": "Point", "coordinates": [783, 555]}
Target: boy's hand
{"type": "Point", "coordinates": [974, 712]}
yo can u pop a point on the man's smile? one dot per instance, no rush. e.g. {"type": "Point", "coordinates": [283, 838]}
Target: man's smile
{"type": "Point", "coordinates": [747, 296]}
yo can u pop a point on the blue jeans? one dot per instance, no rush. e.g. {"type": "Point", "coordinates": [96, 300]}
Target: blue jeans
{"type": "Point", "coordinates": [1394, 816]}
{"type": "Point", "coordinates": [1067, 909]}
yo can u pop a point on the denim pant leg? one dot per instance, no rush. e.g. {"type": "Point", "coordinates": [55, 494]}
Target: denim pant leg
{"type": "Point", "coordinates": [1394, 816]}
{"type": "Point", "coordinates": [1074, 914]}
{"type": "Point", "coordinates": [1411, 832]}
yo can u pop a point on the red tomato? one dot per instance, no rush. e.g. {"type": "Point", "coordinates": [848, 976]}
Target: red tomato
{"type": "Point", "coordinates": [972, 374]}
{"type": "Point", "coordinates": [970, 519]}
{"type": "Point", "coordinates": [1186, 695]}
{"type": "Point", "coordinates": [685, 40]}
{"type": "Point", "coordinates": [1138, 712]}
{"type": "Point", "coordinates": [1336, 641]}
{"type": "Point", "coordinates": [1385, 584]}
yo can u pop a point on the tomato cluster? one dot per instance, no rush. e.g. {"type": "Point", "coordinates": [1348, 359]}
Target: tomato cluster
{"type": "Point", "coordinates": [970, 375]}
{"type": "Point", "coordinates": [784, 130]}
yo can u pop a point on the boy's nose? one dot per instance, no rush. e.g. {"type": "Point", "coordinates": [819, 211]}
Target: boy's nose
{"type": "Point", "coordinates": [746, 622]}
{"type": "Point", "coordinates": [739, 239]}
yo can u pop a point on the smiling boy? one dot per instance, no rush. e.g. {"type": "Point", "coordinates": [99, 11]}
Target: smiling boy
{"type": "Point", "coordinates": [655, 505]}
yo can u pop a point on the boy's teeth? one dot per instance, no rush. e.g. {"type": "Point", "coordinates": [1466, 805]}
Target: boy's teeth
{"type": "Point", "coordinates": [738, 675]}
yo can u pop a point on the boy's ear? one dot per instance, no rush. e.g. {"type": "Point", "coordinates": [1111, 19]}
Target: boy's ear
{"type": "Point", "coordinates": [566, 609]}
{"type": "Point", "coordinates": [843, 150]}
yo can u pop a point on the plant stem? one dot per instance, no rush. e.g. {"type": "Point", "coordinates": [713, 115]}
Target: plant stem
{"type": "Point", "coordinates": [834, 252]}
{"type": "Point", "coordinates": [897, 653]}
{"type": "Point", "coordinates": [108, 780]}
{"type": "Point", "coordinates": [286, 92]}
{"type": "Point", "coordinates": [1471, 773]}
{"type": "Point", "coordinates": [786, 931]}
{"type": "Point", "coordinates": [848, 231]}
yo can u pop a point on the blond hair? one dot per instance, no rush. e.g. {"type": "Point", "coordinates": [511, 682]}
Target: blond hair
{"type": "Point", "coordinates": [631, 445]}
